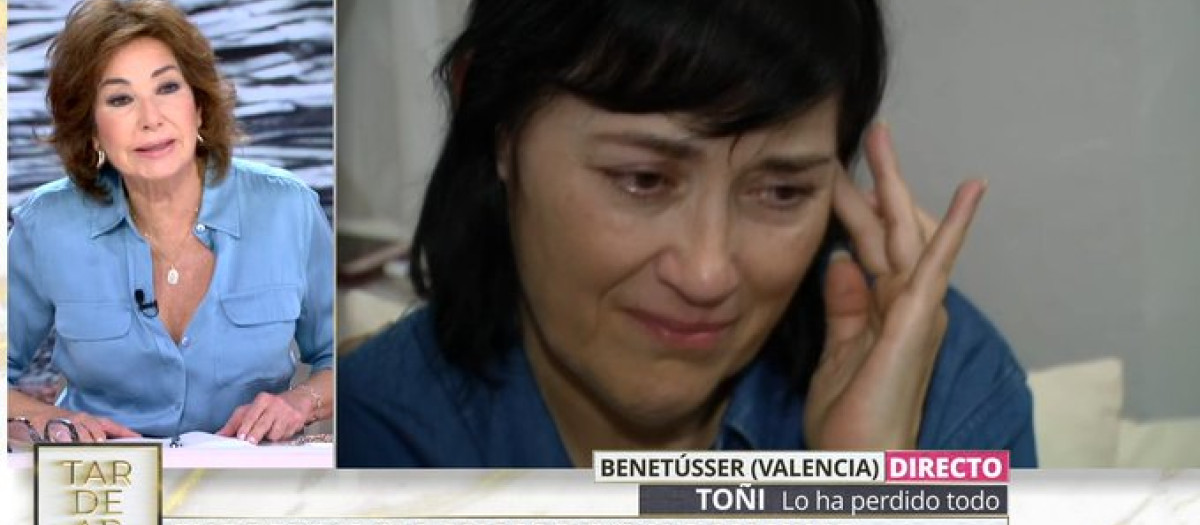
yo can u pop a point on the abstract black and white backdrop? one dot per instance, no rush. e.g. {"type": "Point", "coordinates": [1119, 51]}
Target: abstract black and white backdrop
{"type": "Point", "coordinates": [277, 53]}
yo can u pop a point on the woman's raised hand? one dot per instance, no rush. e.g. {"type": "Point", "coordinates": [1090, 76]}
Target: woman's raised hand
{"type": "Point", "coordinates": [884, 315]}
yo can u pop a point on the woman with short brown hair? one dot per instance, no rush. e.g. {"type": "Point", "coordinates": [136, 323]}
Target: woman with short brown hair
{"type": "Point", "coordinates": [175, 277]}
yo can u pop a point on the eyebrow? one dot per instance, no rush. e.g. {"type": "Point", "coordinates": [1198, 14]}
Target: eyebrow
{"type": "Point", "coordinates": [683, 148]}
{"type": "Point", "coordinates": [677, 148]}
{"type": "Point", "coordinates": [793, 163]}
{"type": "Point", "coordinates": [157, 72]}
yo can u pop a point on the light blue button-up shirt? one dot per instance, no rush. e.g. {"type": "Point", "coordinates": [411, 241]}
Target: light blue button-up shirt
{"type": "Point", "coordinates": [75, 266]}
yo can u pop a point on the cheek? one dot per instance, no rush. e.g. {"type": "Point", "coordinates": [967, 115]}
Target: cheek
{"type": "Point", "coordinates": [108, 127]}
{"type": "Point", "coordinates": [185, 110]}
{"type": "Point", "coordinates": [775, 259]}
{"type": "Point", "coordinates": [570, 239]}
{"type": "Point", "coordinates": [188, 108]}
{"type": "Point", "coordinates": [571, 243]}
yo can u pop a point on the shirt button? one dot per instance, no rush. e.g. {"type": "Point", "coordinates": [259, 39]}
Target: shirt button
{"type": "Point", "coordinates": [200, 227]}
{"type": "Point", "coordinates": [186, 342]}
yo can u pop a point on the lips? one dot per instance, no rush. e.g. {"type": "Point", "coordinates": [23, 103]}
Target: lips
{"type": "Point", "coordinates": [156, 148]}
{"type": "Point", "coordinates": [674, 332]}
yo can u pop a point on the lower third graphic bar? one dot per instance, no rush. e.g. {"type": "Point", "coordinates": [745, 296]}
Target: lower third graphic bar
{"type": "Point", "coordinates": [826, 500]}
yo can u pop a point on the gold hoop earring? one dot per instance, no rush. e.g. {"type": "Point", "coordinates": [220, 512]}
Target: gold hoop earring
{"type": "Point", "coordinates": [199, 138]}
{"type": "Point", "coordinates": [101, 158]}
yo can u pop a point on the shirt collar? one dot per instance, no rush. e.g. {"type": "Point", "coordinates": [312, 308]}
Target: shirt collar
{"type": "Point", "coordinates": [766, 411]}
{"type": "Point", "coordinates": [105, 218]}
{"type": "Point", "coordinates": [219, 207]}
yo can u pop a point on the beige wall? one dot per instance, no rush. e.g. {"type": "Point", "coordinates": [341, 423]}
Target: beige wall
{"type": "Point", "coordinates": [1085, 115]}
{"type": "Point", "coordinates": [390, 119]}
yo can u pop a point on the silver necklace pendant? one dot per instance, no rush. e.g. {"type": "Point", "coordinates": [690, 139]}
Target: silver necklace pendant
{"type": "Point", "coordinates": [172, 276]}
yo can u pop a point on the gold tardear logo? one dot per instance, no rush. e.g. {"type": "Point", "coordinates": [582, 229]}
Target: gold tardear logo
{"type": "Point", "coordinates": [113, 484]}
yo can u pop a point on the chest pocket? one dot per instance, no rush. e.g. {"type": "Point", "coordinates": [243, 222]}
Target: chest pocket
{"type": "Point", "coordinates": [273, 305]}
{"type": "Point", "coordinates": [257, 351]}
{"type": "Point", "coordinates": [92, 321]}
{"type": "Point", "coordinates": [94, 348]}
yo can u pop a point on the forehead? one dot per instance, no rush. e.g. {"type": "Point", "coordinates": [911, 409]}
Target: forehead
{"type": "Point", "coordinates": [813, 129]}
{"type": "Point", "coordinates": [140, 57]}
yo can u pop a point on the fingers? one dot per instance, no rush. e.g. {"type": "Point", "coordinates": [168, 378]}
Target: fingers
{"type": "Point", "coordinates": [889, 230]}
{"type": "Point", "coordinates": [254, 412]}
{"type": "Point", "coordinates": [921, 303]}
{"type": "Point", "coordinates": [882, 341]}
{"type": "Point", "coordinates": [261, 428]}
{"type": "Point", "coordinates": [932, 274]}
{"type": "Point", "coordinates": [117, 430]}
{"type": "Point", "coordinates": [861, 220]}
{"type": "Point", "coordinates": [928, 224]}
{"type": "Point", "coordinates": [234, 422]}
{"type": "Point", "coordinates": [87, 429]}
{"type": "Point", "coordinates": [904, 241]}
{"type": "Point", "coordinates": [269, 417]}
{"type": "Point", "coordinates": [847, 298]}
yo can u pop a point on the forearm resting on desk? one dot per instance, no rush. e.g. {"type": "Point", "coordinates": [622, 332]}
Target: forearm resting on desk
{"type": "Point", "coordinates": [89, 428]}
{"type": "Point", "coordinates": [314, 396]}
{"type": "Point", "coordinates": [36, 411]}
{"type": "Point", "coordinates": [277, 417]}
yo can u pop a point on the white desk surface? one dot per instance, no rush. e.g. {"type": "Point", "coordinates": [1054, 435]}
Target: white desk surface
{"type": "Point", "coordinates": [311, 456]}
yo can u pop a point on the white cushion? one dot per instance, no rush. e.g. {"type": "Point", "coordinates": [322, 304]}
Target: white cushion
{"type": "Point", "coordinates": [362, 312]}
{"type": "Point", "coordinates": [1161, 443]}
{"type": "Point", "coordinates": [1076, 413]}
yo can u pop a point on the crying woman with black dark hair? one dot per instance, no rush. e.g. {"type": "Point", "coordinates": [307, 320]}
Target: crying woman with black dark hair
{"type": "Point", "coordinates": [641, 233]}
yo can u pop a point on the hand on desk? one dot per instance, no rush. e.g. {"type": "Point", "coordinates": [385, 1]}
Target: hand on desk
{"type": "Point", "coordinates": [270, 417]}
{"type": "Point", "coordinates": [36, 413]}
{"type": "Point", "coordinates": [88, 428]}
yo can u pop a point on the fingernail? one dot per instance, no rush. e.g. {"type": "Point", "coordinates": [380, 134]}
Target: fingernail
{"type": "Point", "coordinates": [839, 254]}
{"type": "Point", "coordinates": [252, 441]}
{"type": "Point", "coordinates": [242, 436]}
{"type": "Point", "coordinates": [983, 189]}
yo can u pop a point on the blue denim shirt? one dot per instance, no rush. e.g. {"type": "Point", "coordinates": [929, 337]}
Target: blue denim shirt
{"type": "Point", "coordinates": [401, 404]}
{"type": "Point", "coordinates": [74, 266]}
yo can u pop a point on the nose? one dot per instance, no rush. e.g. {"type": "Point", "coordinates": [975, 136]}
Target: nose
{"type": "Point", "coordinates": [699, 265]}
{"type": "Point", "coordinates": [149, 116]}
